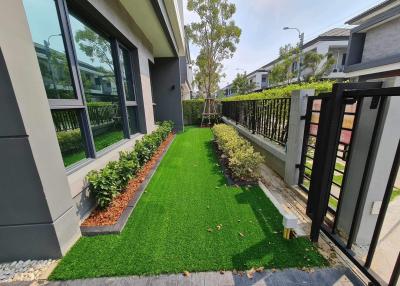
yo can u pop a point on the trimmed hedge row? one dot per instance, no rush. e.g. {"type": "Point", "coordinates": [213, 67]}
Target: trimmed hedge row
{"type": "Point", "coordinates": [285, 91]}
{"type": "Point", "coordinates": [192, 110]}
{"type": "Point", "coordinates": [243, 161]}
{"type": "Point", "coordinates": [107, 183]}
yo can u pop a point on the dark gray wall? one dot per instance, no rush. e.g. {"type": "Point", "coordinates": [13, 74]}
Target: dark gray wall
{"type": "Point", "coordinates": [26, 225]}
{"type": "Point", "coordinates": [166, 86]}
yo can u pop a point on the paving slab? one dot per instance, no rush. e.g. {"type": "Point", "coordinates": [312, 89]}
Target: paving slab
{"type": "Point", "coordinates": [338, 276]}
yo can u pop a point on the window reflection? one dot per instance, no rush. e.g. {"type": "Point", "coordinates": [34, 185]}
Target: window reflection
{"type": "Point", "coordinates": [69, 135]}
{"type": "Point", "coordinates": [132, 118]}
{"type": "Point", "coordinates": [98, 79]}
{"type": "Point", "coordinates": [126, 73]}
{"type": "Point", "coordinates": [50, 49]}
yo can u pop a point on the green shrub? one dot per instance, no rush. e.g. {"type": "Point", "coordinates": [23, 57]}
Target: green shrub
{"type": "Point", "coordinates": [243, 161]}
{"type": "Point", "coordinates": [192, 110]}
{"type": "Point", "coordinates": [103, 184]}
{"type": "Point", "coordinates": [285, 91]}
{"type": "Point", "coordinates": [106, 183]}
{"type": "Point", "coordinates": [70, 140]}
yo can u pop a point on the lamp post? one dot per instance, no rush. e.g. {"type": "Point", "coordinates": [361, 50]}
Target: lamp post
{"type": "Point", "coordinates": [48, 54]}
{"type": "Point", "coordinates": [301, 38]}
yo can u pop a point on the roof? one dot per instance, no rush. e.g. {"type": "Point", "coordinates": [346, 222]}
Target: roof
{"type": "Point", "coordinates": [336, 32]}
{"type": "Point", "coordinates": [372, 10]}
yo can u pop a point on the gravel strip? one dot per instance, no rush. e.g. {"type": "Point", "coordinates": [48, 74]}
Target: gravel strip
{"type": "Point", "coordinates": [28, 270]}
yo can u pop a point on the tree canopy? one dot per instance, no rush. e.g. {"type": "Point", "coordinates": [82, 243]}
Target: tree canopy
{"type": "Point", "coordinates": [318, 64]}
{"type": "Point", "coordinates": [242, 85]}
{"type": "Point", "coordinates": [217, 36]}
{"type": "Point", "coordinates": [282, 71]}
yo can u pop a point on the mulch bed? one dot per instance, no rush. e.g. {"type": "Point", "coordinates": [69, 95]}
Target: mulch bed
{"type": "Point", "coordinates": [223, 162]}
{"type": "Point", "coordinates": [110, 215]}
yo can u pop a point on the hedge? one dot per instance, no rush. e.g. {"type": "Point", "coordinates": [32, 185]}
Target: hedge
{"type": "Point", "coordinates": [243, 161]}
{"type": "Point", "coordinates": [192, 110]}
{"type": "Point", "coordinates": [107, 183]}
{"type": "Point", "coordinates": [285, 91]}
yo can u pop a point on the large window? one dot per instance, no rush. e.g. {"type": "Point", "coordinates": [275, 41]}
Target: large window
{"type": "Point", "coordinates": [89, 81]}
{"type": "Point", "coordinates": [99, 84]}
{"type": "Point", "coordinates": [50, 48]}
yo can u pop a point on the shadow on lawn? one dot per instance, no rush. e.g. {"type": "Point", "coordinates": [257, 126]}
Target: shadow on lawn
{"type": "Point", "coordinates": [253, 196]}
{"type": "Point", "coordinates": [216, 169]}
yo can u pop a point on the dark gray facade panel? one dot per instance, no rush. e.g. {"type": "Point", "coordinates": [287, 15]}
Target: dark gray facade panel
{"type": "Point", "coordinates": [355, 49]}
{"type": "Point", "coordinates": [165, 80]}
{"type": "Point", "coordinates": [23, 200]}
{"type": "Point", "coordinates": [10, 119]}
{"type": "Point", "coordinates": [24, 242]}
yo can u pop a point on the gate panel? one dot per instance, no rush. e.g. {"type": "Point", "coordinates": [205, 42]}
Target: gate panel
{"type": "Point", "coordinates": [327, 149]}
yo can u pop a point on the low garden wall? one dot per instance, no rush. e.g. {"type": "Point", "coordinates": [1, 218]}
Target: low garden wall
{"type": "Point", "coordinates": [275, 155]}
{"type": "Point", "coordinates": [282, 159]}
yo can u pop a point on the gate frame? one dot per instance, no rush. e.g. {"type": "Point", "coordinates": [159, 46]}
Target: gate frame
{"type": "Point", "coordinates": [329, 127]}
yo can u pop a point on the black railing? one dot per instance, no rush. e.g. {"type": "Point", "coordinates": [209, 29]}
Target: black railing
{"type": "Point", "coordinates": [98, 114]}
{"type": "Point", "coordinates": [266, 117]}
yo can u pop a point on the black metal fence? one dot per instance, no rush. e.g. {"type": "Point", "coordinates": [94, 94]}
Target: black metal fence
{"type": "Point", "coordinates": [98, 114]}
{"type": "Point", "coordinates": [266, 117]}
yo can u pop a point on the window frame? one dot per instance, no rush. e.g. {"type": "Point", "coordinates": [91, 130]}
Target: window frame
{"type": "Point", "coordinates": [125, 103]}
{"type": "Point", "coordinates": [79, 103]}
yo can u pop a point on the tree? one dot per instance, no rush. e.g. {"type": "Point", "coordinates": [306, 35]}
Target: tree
{"type": "Point", "coordinates": [95, 47]}
{"type": "Point", "coordinates": [312, 61]}
{"type": "Point", "coordinates": [242, 85]}
{"type": "Point", "coordinates": [282, 71]}
{"type": "Point", "coordinates": [202, 79]}
{"type": "Point", "coordinates": [216, 35]}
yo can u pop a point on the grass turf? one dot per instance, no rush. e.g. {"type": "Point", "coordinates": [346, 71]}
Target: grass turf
{"type": "Point", "coordinates": [100, 141]}
{"type": "Point", "coordinates": [168, 231]}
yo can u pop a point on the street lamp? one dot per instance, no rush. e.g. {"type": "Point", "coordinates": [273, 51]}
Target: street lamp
{"type": "Point", "coordinates": [301, 38]}
{"type": "Point", "coordinates": [48, 54]}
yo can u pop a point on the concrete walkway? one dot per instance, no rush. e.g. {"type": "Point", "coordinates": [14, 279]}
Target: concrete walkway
{"type": "Point", "coordinates": [388, 248]}
{"type": "Point", "coordinates": [321, 277]}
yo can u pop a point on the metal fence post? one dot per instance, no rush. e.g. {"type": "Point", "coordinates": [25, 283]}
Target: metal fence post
{"type": "Point", "coordinates": [253, 117]}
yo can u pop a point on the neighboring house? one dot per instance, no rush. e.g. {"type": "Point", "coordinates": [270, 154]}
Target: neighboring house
{"type": "Point", "coordinates": [186, 74]}
{"type": "Point", "coordinates": [227, 90]}
{"type": "Point", "coordinates": [80, 81]}
{"type": "Point", "coordinates": [374, 49]}
{"type": "Point", "coordinates": [259, 78]}
{"type": "Point", "coordinates": [334, 41]}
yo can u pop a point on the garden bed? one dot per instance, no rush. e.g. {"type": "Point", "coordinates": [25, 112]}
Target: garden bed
{"type": "Point", "coordinates": [190, 220]}
{"type": "Point", "coordinates": [113, 219]}
{"type": "Point", "coordinates": [230, 179]}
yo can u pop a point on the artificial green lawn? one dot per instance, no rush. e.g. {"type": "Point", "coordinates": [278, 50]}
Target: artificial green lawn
{"type": "Point", "coordinates": [168, 230]}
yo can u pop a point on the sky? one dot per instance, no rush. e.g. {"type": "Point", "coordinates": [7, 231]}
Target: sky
{"type": "Point", "coordinates": [262, 21]}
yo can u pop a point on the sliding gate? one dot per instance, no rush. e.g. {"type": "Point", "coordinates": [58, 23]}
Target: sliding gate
{"type": "Point", "coordinates": [332, 122]}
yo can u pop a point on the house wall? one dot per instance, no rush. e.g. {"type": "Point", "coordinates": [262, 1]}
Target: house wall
{"type": "Point", "coordinates": [42, 203]}
{"type": "Point", "coordinates": [382, 41]}
{"type": "Point", "coordinates": [166, 90]}
{"type": "Point", "coordinates": [37, 216]}
{"type": "Point", "coordinates": [374, 49]}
